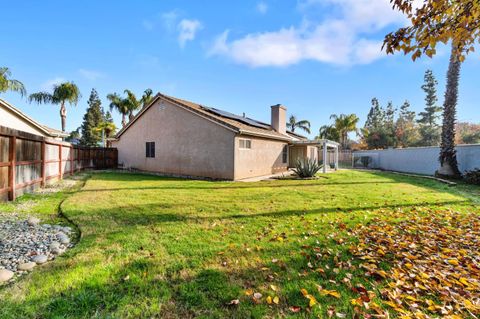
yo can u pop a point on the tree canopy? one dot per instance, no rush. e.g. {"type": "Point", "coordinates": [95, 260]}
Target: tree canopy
{"type": "Point", "coordinates": [433, 22]}
{"type": "Point", "coordinates": [61, 94]}
{"type": "Point", "coordinates": [9, 84]}
{"type": "Point", "coordinates": [91, 120]}
{"type": "Point", "coordinates": [293, 123]}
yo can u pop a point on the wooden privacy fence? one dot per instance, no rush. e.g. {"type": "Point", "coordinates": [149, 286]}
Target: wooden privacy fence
{"type": "Point", "coordinates": [28, 161]}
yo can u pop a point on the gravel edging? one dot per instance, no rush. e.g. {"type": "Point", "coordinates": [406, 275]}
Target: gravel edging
{"type": "Point", "coordinates": [26, 243]}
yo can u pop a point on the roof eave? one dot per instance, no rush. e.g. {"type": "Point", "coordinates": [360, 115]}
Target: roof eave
{"type": "Point", "coordinates": [26, 118]}
{"type": "Point", "coordinates": [268, 136]}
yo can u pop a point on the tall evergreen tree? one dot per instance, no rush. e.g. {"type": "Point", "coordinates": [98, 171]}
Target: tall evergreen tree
{"type": "Point", "coordinates": [429, 127]}
{"type": "Point", "coordinates": [406, 133]}
{"type": "Point", "coordinates": [91, 120]}
{"type": "Point", "coordinates": [390, 111]}
{"type": "Point", "coordinates": [375, 133]}
{"type": "Point", "coordinates": [375, 116]}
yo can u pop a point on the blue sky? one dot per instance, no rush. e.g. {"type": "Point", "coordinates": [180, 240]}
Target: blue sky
{"type": "Point", "coordinates": [317, 57]}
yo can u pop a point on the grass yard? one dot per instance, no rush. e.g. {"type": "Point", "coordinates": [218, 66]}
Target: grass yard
{"type": "Point", "coordinates": [171, 248]}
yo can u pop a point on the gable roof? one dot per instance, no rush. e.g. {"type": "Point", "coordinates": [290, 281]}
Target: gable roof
{"type": "Point", "coordinates": [50, 132]}
{"type": "Point", "coordinates": [236, 123]}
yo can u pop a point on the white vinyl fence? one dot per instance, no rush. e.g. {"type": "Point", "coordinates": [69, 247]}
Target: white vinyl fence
{"type": "Point", "coordinates": [418, 160]}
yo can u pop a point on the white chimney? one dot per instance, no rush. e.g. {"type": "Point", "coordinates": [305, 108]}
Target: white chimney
{"type": "Point", "coordinates": [279, 118]}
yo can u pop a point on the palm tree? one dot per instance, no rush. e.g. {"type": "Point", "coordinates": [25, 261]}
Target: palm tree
{"type": "Point", "coordinates": [328, 132]}
{"type": "Point", "coordinates": [62, 93]}
{"type": "Point", "coordinates": [345, 124]}
{"type": "Point", "coordinates": [107, 129]}
{"type": "Point", "coordinates": [132, 103]}
{"type": "Point", "coordinates": [292, 124]}
{"type": "Point", "coordinates": [8, 84]}
{"type": "Point", "coordinates": [120, 104]}
{"type": "Point", "coordinates": [147, 97]}
{"type": "Point", "coordinates": [448, 154]}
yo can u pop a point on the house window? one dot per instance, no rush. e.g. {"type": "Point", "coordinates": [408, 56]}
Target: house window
{"type": "Point", "coordinates": [245, 143]}
{"type": "Point", "coordinates": [285, 154]}
{"type": "Point", "coordinates": [150, 149]}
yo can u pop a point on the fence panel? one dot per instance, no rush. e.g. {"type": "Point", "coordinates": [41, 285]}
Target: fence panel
{"type": "Point", "coordinates": [4, 166]}
{"type": "Point", "coordinates": [29, 161]}
{"type": "Point", "coordinates": [417, 160]}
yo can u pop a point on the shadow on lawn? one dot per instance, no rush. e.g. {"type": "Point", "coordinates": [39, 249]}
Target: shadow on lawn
{"type": "Point", "coordinates": [148, 214]}
{"type": "Point", "coordinates": [235, 185]}
{"type": "Point", "coordinates": [170, 183]}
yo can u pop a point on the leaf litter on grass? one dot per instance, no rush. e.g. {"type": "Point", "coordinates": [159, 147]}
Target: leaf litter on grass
{"type": "Point", "coordinates": [433, 258]}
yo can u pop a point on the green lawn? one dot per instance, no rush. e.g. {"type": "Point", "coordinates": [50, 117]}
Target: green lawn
{"type": "Point", "coordinates": [171, 248]}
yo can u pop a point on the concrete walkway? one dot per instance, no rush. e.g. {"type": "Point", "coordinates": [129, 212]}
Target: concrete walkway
{"type": "Point", "coordinates": [266, 177]}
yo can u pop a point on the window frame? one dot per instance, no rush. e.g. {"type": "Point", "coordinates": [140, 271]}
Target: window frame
{"type": "Point", "coordinates": [247, 144]}
{"type": "Point", "coordinates": [285, 154]}
{"type": "Point", "coordinates": [150, 149]}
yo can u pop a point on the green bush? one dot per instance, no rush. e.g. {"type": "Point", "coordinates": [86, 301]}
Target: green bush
{"type": "Point", "coordinates": [306, 168]}
{"type": "Point", "coordinates": [473, 176]}
{"type": "Point", "coordinates": [366, 161]}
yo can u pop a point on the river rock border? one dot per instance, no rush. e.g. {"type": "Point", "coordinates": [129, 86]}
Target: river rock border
{"type": "Point", "coordinates": [26, 243]}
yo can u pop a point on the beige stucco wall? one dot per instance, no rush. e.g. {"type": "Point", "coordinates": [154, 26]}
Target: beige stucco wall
{"type": "Point", "coordinates": [10, 120]}
{"type": "Point", "coordinates": [264, 158]}
{"type": "Point", "coordinates": [312, 152]}
{"type": "Point", "coordinates": [185, 144]}
{"type": "Point", "coordinates": [302, 152]}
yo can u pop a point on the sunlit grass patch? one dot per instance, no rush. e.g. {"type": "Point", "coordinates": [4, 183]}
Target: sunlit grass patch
{"type": "Point", "coordinates": [173, 248]}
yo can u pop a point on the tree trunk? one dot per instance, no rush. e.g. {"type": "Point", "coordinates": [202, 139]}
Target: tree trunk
{"type": "Point", "coordinates": [63, 116]}
{"type": "Point", "coordinates": [124, 121]}
{"type": "Point", "coordinates": [448, 154]}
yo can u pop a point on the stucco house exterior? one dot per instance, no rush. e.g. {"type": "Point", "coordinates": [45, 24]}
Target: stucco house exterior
{"type": "Point", "coordinates": [177, 137]}
{"type": "Point", "coordinates": [12, 117]}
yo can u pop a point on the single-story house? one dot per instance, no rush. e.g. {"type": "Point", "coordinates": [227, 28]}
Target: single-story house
{"type": "Point", "coordinates": [177, 137]}
{"type": "Point", "coordinates": [12, 117]}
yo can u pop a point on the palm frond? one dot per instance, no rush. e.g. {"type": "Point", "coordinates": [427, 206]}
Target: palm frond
{"type": "Point", "coordinates": [304, 127]}
{"type": "Point", "coordinates": [7, 84]}
{"type": "Point", "coordinates": [40, 98]}
{"type": "Point", "coordinates": [16, 86]}
{"type": "Point", "coordinates": [304, 123]}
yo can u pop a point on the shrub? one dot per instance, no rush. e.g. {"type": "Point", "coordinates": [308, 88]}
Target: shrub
{"type": "Point", "coordinates": [473, 176]}
{"type": "Point", "coordinates": [306, 168]}
{"type": "Point", "coordinates": [366, 161]}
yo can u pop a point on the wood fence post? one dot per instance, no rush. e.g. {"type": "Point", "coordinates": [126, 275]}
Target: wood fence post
{"type": "Point", "coordinates": [60, 164]}
{"type": "Point", "coordinates": [44, 163]}
{"type": "Point", "coordinates": [12, 157]}
{"type": "Point", "coordinates": [72, 153]}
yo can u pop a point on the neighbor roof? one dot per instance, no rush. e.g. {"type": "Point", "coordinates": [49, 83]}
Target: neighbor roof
{"type": "Point", "coordinates": [239, 124]}
{"type": "Point", "coordinates": [43, 128]}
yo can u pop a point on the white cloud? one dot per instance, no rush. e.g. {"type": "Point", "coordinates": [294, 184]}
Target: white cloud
{"type": "Point", "coordinates": [169, 19]}
{"type": "Point", "coordinates": [349, 35]}
{"type": "Point", "coordinates": [262, 7]}
{"type": "Point", "coordinates": [187, 30]}
{"type": "Point", "coordinates": [48, 85]}
{"type": "Point", "coordinates": [166, 19]}
{"type": "Point", "coordinates": [90, 74]}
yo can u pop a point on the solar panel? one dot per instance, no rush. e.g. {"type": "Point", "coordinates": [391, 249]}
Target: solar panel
{"type": "Point", "coordinates": [239, 118]}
